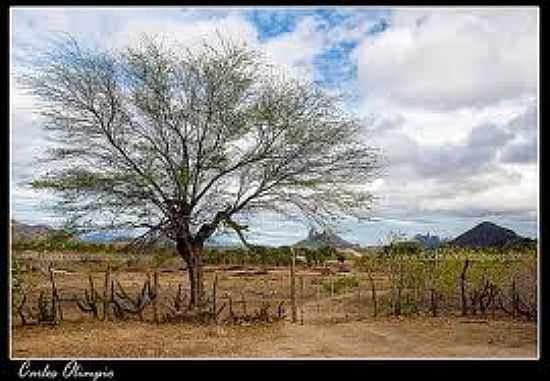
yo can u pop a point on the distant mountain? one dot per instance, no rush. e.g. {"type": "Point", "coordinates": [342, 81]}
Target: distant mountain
{"type": "Point", "coordinates": [428, 241]}
{"type": "Point", "coordinates": [106, 236]}
{"type": "Point", "coordinates": [23, 232]}
{"type": "Point", "coordinates": [488, 234]}
{"type": "Point", "coordinates": [162, 241]}
{"type": "Point", "coordinates": [326, 238]}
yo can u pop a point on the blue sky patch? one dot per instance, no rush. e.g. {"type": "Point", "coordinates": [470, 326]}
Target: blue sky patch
{"type": "Point", "coordinates": [271, 23]}
{"type": "Point", "coordinates": [335, 66]}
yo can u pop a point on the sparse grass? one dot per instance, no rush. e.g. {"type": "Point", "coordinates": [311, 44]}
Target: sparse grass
{"type": "Point", "coordinates": [390, 337]}
{"type": "Point", "coordinates": [138, 340]}
{"type": "Point", "coordinates": [340, 284]}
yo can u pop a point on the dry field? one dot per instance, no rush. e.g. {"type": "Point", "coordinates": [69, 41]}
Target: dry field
{"type": "Point", "coordinates": [337, 326]}
{"type": "Point", "coordinates": [386, 338]}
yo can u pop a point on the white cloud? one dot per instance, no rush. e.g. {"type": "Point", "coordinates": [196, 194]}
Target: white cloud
{"type": "Point", "coordinates": [187, 32]}
{"type": "Point", "coordinates": [428, 126]}
{"type": "Point", "coordinates": [296, 50]}
{"type": "Point", "coordinates": [447, 59]}
{"type": "Point", "coordinates": [464, 177]}
{"type": "Point", "coordinates": [517, 195]}
{"type": "Point", "coordinates": [292, 52]}
{"type": "Point", "coordinates": [28, 139]}
{"type": "Point", "coordinates": [451, 97]}
{"type": "Point", "coordinates": [501, 191]}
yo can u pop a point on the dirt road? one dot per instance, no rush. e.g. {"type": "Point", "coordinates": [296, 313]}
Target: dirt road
{"type": "Point", "coordinates": [394, 338]}
{"type": "Point", "coordinates": [336, 335]}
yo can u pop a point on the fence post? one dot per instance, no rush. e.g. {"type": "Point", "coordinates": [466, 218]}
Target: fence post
{"type": "Point", "coordinates": [106, 293]}
{"type": "Point", "coordinates": [359, 298]}
{"type": "Point", "coordinates": [318, 289]}
{"type": "Point", "coordinates": [514, 299]}
{"type": "Point", "coordinates": [214, 294]}
{"type": "Point", "coordinates": [463, 288]}
{"type": "Point", "coordinates": [243, 302]}
{"type": "Point", "coordinates": [156, 296]}
{"type": "Point", "coordinates": [56, 304]}
{"type": "Point", "coordinates": [117, 312]}
{"type": "Point", "coordinates": [293, 286]}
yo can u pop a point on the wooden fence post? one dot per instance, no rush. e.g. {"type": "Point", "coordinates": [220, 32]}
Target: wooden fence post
{"type": "Point", "coordinates": [56, 303]}
{"type": "Point", "coordinates": [156, 296]}
{"type": "Point", "coordinates": [331, 280]}
{"type": "Point", "coordinates": [359, 298]}
{"type": "Point", "coordinates": [243, 302]}
{"type": "Point", "coordinates": [293, 286]}
{"type": "Point", "coordinates": [463, 288]}
{"type": "Point", "coordinates": [318, 289]}
{"type": "Point", "coordinates": [117, 311]}
{"type": "Point", "coordinates": [514, 299]}
{"type": "Point", "coordinates": [106, 293]}
{"type": "Point", "coordinates": [214, 286]}
{"type": "Point", "coordinates": [373, 293]}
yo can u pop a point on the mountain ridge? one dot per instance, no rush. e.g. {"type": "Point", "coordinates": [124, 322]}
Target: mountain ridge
{"type": "Point", "coordinates": [317, 239]}
{"type": "Point", "coordinates": [485, 234]}
{"type": "Point", "coordinates": [489, 234]}
{"type": "Point", "coordinates": [26, 232]}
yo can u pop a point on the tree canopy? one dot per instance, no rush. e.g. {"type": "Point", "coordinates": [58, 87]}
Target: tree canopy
{"type": "Point", "coordinates": [182, 141]}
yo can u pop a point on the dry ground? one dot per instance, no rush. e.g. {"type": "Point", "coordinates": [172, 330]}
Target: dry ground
{"type": "Point", "coordinates": [368, 338]}
{"type": "Point", "coordinates": [334, 327]}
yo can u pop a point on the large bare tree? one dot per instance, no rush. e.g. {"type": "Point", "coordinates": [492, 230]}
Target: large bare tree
{"type": "Point", "coordinates": [182, 142]}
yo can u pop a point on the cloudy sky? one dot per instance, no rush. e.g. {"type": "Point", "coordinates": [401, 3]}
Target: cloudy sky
{"type": "Point", "coordinates": [449, 95]}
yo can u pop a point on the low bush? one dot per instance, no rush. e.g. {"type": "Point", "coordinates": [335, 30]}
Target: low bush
{"type": "Point", "coordinates": [341, 284]}
{"type": "Point", "coordinates": [162, 255]}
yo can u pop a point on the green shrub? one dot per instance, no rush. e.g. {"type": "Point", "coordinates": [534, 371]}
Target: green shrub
{"type": "Point", "coordinates": [341, 284]}
{"type": "Point", "coordinates": [326, 253]}
{"type": "Point", "coordinates": [403, 248]}
{"type": "Point", "coordinates": [162, 255]}
{"type": "Point", "coordinates": [408, 305]}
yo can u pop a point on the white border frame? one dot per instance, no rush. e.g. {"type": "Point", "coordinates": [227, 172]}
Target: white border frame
{"type": "Point", "coordinates": [10, 328]}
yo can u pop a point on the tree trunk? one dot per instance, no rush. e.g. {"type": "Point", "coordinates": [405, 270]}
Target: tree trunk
{"type": "Point", "coordinates": [191, 254]}
{"type": "Point", "coordinates": [194, 269]}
